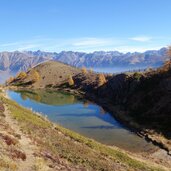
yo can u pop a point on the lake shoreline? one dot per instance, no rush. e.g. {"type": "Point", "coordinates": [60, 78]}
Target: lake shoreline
{"type": "Point", "coordinates": [115, 111]}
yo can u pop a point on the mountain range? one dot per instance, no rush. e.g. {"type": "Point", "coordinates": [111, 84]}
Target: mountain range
{"type": "Point", "coordinates": [13, 62]}
{"type": "Point", "coordinates": [105, 59]}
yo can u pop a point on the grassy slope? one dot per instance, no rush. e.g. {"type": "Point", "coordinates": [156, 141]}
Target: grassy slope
{"type": "Point", "coordinates": [8, 144]}
{"type": "Point", "coordinates": [76, 149]}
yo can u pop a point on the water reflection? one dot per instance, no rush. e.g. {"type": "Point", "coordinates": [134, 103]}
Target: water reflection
{"type": "Point", "coordinates": [81, 116]}
{"type": "Point", "coordinates": [49, 97]}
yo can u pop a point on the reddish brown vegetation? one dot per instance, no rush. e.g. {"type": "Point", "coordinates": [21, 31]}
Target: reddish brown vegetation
{"type": "Point", "coordinates": [8, 140]}
{"type": "Point", "coordinates": [18, 154]}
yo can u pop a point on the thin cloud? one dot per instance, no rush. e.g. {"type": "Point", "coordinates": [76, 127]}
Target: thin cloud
{"type": "Point", "coordinates": [141, 38]}
{"type": "Point", "coordinates": [132, 49]}
{"type": "Point", "coordinates": [9, 44]}
{"type": "Point", "coordinates": [28, 47]}
{"type": "Point", "coordinates": [22, 45]}
{"type": "Point", "coordinates": [84, 44]}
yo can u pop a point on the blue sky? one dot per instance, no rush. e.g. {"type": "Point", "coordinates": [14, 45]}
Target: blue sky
{"type": "Point", "coordinates": [84, 25]}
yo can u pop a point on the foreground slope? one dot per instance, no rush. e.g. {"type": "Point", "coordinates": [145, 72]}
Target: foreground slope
{"type": "Point", "coordinates": [30, 142]}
